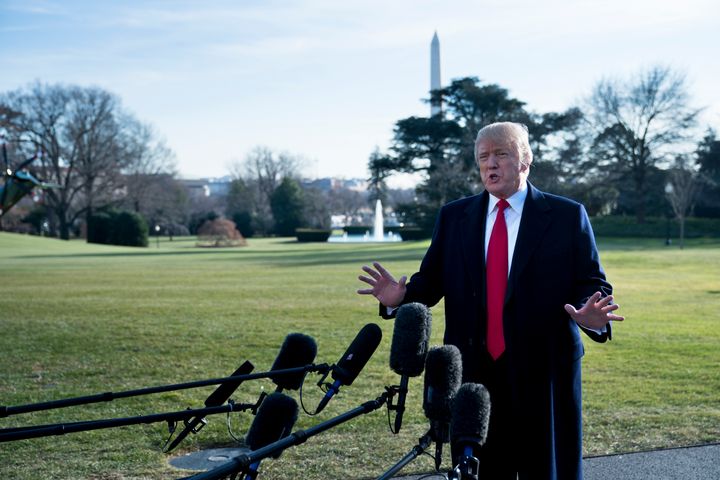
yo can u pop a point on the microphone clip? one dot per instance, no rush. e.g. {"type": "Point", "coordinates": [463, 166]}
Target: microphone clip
{"type": "Point", "coordinates": [393, 390]}
{"type": "Point", "coordinates": [256, 405]}
{"type": "Point", "coordinates": [197, 426]}
{"type": "Point", "coordinates": [325, 386]}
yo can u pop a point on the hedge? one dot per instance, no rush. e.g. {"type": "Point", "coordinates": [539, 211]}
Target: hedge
{"type": "Point", "coordinates": [114, 227]}
{"type": "Point", "coordinates": [362, 229]}
{"type": "Point", "coordinates": [312, 234]}
{"type": "Point", "coordinates": [654, 227]}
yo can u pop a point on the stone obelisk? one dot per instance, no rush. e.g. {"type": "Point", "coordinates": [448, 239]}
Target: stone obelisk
{"type": "Point", "coordinates": [435, 107]}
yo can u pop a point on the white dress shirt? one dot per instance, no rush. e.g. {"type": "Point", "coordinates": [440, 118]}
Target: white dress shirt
{"type": "Point", "coordinates": [513, 213]}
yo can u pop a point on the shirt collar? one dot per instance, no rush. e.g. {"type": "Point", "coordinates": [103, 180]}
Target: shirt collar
{"type": "Point", "coordinates": [516, 200]}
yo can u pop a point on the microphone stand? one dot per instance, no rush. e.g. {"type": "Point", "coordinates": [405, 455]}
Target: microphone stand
{"type": "Point", "coordinates": [243, 461]}
{"type": "Point", "coordinates": [423, 443]}
{"type": "Point", "coordinates": [23, 433]}
{"type": "Point", "coordinates": [110, 396]}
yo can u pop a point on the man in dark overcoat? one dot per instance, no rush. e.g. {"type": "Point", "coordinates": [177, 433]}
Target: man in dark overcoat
{"type": "Point", "coordinates": [517, 293]}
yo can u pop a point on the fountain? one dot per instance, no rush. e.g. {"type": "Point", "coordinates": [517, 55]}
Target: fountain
{"type": "Point", "coordinates": [378, 228]}
{"type": "Point", "coordinates": [377, 234]}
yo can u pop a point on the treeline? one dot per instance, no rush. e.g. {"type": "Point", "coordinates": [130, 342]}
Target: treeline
{"type": "Point", "coordinates": [117, 179]}
{"type": "Point", "coordinates": [634, 147]}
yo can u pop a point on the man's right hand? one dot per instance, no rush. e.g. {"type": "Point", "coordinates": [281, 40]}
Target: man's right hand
{"type": "Point", "coordinates": [385, 288]}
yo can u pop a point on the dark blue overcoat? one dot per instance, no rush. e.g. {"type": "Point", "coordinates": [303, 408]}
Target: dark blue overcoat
{"type": "Point", "coordinates": [555, 262]}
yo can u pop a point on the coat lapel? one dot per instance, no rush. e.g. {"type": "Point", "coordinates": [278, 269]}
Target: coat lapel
{"type": "Point", "coordinates": [535, 220]}
{"type": "Point", "coordinates": [473, 241]}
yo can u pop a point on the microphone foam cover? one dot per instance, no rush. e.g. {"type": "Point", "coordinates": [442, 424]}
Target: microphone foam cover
{"type": "Point", "coordinates": [470, 415]}
{"type": "Point", "coordinates": [443, 377]}
{"type": "Point", "coordinates": [297, 350]}
{"type": "Point", "coordinates": [357, 354]}
{"type": "Point", "coordinates": [411, 337]}
{"type": "Point", "coordinates": [274, 420]}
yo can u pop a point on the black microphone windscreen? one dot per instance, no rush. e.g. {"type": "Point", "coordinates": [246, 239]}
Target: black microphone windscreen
{"type": "Point", "coordinates": [443, 377]}
{"type": "Point", "coordinates": [274, 420]}
{"type": "Point", "coordinates": [357, 354]}
{"type": "Point", "coordinates": [470, 415]}
{"type": "Point", "coordinates": [298, 350]}
{"type": "Point", "coordinates": [410, 340]}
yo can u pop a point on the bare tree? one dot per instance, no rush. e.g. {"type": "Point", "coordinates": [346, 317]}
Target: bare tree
{"type": "Point", "coordinates": [681, 191]}
{"type": "Point", "coordinates": [93, 138]}
{"type": "Point", "coordinates": [86, 142]}
{"type": "Point", "coordinates": [149, 175]}
{"type": "Point", "coordinates": [640, 124]}
{"type": "Point", "coordinates": [261, 173]}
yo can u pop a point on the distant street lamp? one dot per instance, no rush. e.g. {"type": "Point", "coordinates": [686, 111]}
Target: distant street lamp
{"type": "Point", "coordinates": [157, 235]}
{"type": "Point", "coordinates": [668, 193]}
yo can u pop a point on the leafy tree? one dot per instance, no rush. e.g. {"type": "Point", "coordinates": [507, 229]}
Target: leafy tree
{"type": "Point", "coordinates": [241, 206]}
{"type": "Point", "coordinates": [287, 205]}
{"type": "Point", "coordinates": [708, 162]}
{"type": "Point", "coordinates": [442, 147]}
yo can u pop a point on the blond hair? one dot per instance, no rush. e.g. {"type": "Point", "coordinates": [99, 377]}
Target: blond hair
{"type": "Point", "coordinates": [514, 133]}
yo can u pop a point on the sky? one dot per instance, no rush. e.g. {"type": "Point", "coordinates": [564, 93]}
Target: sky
{"type": "Point", "coordinates": [327, 80]}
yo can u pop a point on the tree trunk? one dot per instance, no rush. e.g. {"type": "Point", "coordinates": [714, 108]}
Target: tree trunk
{"type": "Point", "coordinates": [64, 230]}
{"type": "Point", "coordinates": [64, 225]}
{"type": "Point", "coordinates": [640, 201]}
{"type": "Point", "coordinates": [682, 232]}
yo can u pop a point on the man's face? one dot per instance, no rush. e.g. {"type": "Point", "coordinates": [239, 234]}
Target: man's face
{"type": "Point", "coordinates": [501, 170]}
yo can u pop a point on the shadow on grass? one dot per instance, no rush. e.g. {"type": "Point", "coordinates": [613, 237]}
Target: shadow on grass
{"type": "Point", "coordinates": [286, 257]}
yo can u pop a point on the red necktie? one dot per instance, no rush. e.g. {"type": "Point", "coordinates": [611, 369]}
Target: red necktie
{"type": "Point", "coordinates": [497, 275]}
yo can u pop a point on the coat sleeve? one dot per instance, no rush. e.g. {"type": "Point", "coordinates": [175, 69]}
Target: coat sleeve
{"type": "Point", "coordinates": [589, 274]}
{"type": "Point", "coordinates": [426, 285]}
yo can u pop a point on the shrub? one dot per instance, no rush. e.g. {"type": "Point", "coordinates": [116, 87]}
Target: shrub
{"type": "Point", "coordinates": [357, 229]}
{"type": "Point", "coordinates": [220, 233]}
{"type": "Point", "coordinates": [243, 222]}
{"type": "Point", "coordinates": [414, 233]}
{"type": "Point", "coordinates": [312, 234]}
{"type": "Point", "coordinates": [129, 229]}
{"type": "Point", "coordinates": [98, 228]}
{"type": "Point", "coordinates": [117, 228]}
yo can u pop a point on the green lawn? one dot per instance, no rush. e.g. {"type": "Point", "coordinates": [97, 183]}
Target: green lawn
{"type": "Point", "coordinates": [77, 319]}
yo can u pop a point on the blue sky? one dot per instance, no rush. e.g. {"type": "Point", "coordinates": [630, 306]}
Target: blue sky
{"type": "Point", "coordinates": [328, 79]}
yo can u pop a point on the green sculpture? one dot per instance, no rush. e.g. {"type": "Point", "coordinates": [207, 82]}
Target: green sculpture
{"type": "Point", "coordinates": [18, 183]}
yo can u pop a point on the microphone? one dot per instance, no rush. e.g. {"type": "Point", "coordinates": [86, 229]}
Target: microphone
{"type": "Point", "coordinates": [218, 397]}
{"type": "Point", "coordinates": [443, 377]}
{"type": "Point", "coordinates": [470, 415]}
{"type": "Point", "coordinates": [411, 336]}
{"type": "Point", "coordinates": [297, 350]}
{"type": "Point", "coordinates": [353, 360]}
{"type": "Point", "coordinates": [275, 419]}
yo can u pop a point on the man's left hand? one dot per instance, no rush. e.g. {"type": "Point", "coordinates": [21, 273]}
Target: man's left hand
{"type": "Point", "coordinates": [596, 313]}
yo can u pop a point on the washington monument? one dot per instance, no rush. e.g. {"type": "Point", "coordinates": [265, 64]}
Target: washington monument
{"type": "Point", "coordinates": [435, 107]}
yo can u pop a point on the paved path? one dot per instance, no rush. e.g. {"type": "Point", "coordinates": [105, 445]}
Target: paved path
{"type": "Point", "coordinates": [685, 463]}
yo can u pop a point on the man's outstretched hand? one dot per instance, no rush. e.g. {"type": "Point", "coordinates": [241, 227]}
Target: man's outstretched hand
{"type": "Point", "coordinates": [596, 313]}
{"type": "Point", "coordinates": [385, 288]}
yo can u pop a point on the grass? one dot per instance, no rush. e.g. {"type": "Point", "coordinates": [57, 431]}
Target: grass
{"type": "Point", "coordinates": [78, 319]}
